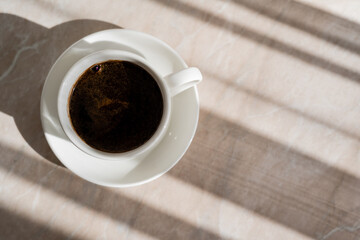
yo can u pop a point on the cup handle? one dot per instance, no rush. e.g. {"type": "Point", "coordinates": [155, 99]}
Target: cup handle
{"type": "Point", "coordinates": [182, 80]}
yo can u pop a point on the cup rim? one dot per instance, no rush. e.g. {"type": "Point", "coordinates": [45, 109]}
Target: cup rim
{"type": "Point", "coordinates": [71, 78]}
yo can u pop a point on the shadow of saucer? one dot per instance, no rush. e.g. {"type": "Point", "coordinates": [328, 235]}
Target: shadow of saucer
{"type": "Point", "coordinates": [28, 52]}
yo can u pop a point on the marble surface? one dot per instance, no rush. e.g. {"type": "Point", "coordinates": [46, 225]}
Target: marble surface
{"type": "Point", "coordinates": [276, 154]}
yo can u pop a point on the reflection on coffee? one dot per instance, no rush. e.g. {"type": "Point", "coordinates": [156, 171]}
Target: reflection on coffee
{"type": "Point", "coordinates": [115, 106]}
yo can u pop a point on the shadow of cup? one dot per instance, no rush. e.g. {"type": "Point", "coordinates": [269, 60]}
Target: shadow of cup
{"type": "Point", "coordinates": [31, 50]}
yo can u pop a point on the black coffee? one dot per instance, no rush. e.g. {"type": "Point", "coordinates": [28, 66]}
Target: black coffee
{"type": "Point", "coordinates": [115, 106]}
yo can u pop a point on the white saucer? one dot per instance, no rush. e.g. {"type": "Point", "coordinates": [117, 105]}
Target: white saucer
{"type": "Point", "coordinates": [184, 116]}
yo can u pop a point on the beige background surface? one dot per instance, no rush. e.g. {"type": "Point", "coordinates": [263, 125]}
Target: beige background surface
{"type": "Point", "coordinates": [276, 154]}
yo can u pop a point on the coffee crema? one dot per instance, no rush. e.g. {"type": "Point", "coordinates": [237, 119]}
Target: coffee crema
{"type": "Point", "coordinates": [115, 106]}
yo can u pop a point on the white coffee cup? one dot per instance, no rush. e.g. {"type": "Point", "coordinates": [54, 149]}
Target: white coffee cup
{"type": "Point", "coordinates": [169, 85]}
